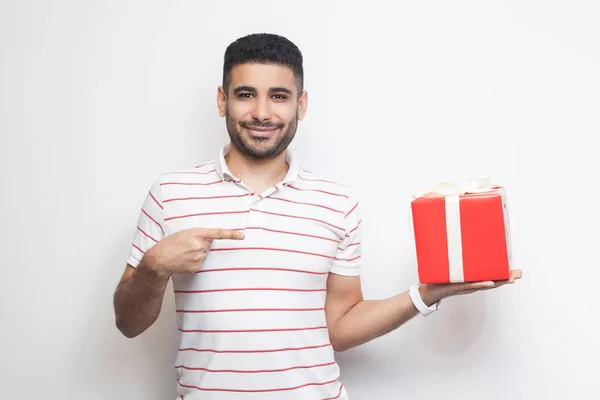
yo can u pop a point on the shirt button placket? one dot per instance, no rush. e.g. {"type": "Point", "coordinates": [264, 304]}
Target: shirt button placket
{"type": "Point", "coordinates": [255, 218]}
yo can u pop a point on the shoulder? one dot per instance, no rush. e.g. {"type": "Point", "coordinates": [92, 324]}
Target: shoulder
{"type": "Point", "coordinates": [177, 179]}
{"type": "Point", "coordinates": [328, 186]}
{"type": "Point", "coordinates": [204, 170]}
{"type": "Point", "coordinates": [310, 178]}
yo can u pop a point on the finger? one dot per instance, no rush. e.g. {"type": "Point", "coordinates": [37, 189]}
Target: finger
{"type": "Point", "coordinates": [196, 266]}
{"type": "Point", "coordinates": [494, 284]}
{"type": "Point", "coordinates": [195, 269]}
{"type": "Point", "coordinates": [513, 277]}
{"type": "Point", "coordinates": [210, 234]}
{"type": "Point", "coordinates": [516, 274]}
{"type": "Point", "coordinates": [482, 285]}
{"type": "Point", "coordinates": [462, 287]}
{"type": "Point", "coordinates": [470, 287]}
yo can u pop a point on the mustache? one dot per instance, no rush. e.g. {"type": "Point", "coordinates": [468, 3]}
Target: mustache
{"type": "Point", "coordinates": [258, 124]}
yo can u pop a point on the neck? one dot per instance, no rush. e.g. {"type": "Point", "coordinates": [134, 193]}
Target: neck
{"type": "Point", "coordinates": [256, 173]}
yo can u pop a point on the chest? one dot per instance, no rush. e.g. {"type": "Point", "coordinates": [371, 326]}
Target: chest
{"type": "Point", "coordinates": [284, 228]}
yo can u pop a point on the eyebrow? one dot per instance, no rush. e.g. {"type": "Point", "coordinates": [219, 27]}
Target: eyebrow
{"type": "Point", "coordinates": [244, 89]}
{"type": "Point", "coordinates": [281, 90]}
{"type": "Point", "coordinates": [253, 90]}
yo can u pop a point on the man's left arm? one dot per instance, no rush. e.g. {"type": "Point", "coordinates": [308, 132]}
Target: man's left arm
{"type": "Point", "coordinates": [352, 321]}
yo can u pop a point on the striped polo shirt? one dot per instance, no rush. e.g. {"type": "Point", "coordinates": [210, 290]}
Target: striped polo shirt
{"type": "Point", "coordinates": [252, 321]}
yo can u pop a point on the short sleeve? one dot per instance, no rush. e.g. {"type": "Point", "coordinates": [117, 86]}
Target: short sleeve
{"type": "Point", "coordinates": [149, 230]}
{"type": "Point", "coordinates": [348, 260]}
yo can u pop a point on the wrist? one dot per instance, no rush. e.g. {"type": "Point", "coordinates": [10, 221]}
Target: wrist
{"type": "Point", "coordinates": [423, 299]}
{"type": "Point", "coordinates": [429, 294]}
{"type": "Point", "coordinates": [152, 269]}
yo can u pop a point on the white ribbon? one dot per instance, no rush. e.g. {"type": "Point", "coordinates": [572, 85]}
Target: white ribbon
{"type": "Point", "coordinates": [451, 193]}
{"type": "Point", "coordinates": [475, 185]}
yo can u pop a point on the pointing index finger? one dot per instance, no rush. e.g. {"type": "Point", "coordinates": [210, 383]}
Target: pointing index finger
{"type": "Point", "coordinates": [209, 234]}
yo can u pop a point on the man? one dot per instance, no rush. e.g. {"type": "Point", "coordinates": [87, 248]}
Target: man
{"type": "Point", "coordinates": [265, 256]}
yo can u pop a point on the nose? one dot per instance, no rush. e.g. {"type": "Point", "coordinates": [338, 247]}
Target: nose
{"type": "Point", "coordinates": [262, 109]}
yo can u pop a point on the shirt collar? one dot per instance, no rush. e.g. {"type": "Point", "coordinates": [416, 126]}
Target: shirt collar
{"type": "Point", "coordinates": [224, 172]}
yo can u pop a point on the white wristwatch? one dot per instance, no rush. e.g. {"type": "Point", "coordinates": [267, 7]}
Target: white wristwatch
{"type": "Point", "coordinates": [415, 296]}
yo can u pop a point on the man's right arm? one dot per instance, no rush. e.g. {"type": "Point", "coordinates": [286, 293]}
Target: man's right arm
{"type": "Point", "coordinates": [139, 295]}
{"type": "Point", "coordinates": [138, 298]}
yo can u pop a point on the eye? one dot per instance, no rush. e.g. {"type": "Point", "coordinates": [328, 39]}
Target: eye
{"type": "Point", "coordinates": [244, 95]}
{"type": "Point", "coordinates": [279, 96]}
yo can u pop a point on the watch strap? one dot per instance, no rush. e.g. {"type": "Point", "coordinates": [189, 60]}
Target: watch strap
{"type": "Point", "coordinates": [415, 296]}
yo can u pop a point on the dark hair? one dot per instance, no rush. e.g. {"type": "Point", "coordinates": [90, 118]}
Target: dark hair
{"type": "Point", "coordinates": [265, 48]}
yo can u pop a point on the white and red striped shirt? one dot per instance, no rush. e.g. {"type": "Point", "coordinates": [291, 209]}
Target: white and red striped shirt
{"type": "Point", "coordinates": [252, 322]}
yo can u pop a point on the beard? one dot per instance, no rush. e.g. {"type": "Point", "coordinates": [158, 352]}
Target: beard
{"type": "Point", "coordinates": [261, 148]}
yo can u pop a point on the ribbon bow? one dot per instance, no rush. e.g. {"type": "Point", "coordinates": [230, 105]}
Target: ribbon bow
{"type": "Point", "coordinates": [475, 185]}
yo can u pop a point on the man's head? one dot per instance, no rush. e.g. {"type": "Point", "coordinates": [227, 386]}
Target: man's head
{"type": "Point", "coordinates": [262, 94]}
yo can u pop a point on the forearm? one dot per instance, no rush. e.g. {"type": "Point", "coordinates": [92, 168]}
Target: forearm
{"type": "Point", "coordinates": [138, 300]}
{"type": "Point", "coordinates": [369, 319]}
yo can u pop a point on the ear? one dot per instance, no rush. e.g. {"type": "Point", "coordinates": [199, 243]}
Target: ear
{"type": "Point", "coordinates": [221, 101]}
{"type": "Point", "coordinates": [302, 105]}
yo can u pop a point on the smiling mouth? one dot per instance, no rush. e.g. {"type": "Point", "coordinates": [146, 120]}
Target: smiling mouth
{"type": "Point", "coordinates": [262, 132]}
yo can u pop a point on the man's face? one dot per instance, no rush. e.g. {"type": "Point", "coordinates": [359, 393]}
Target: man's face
{"type": "Point", "coordinates": [262, 109]}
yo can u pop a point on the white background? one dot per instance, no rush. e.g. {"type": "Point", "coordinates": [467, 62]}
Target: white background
{"type": "Point", "coordinates": [97, 98]}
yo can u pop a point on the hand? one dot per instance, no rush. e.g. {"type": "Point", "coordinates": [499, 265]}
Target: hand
{"type": "Point", "coordinates": [185, 251]}
{"type": "Point", "coordinates": [432, 293]}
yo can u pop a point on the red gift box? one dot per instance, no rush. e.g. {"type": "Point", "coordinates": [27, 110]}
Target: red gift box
{"type": "Point", "coordinates": [462, 235]}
